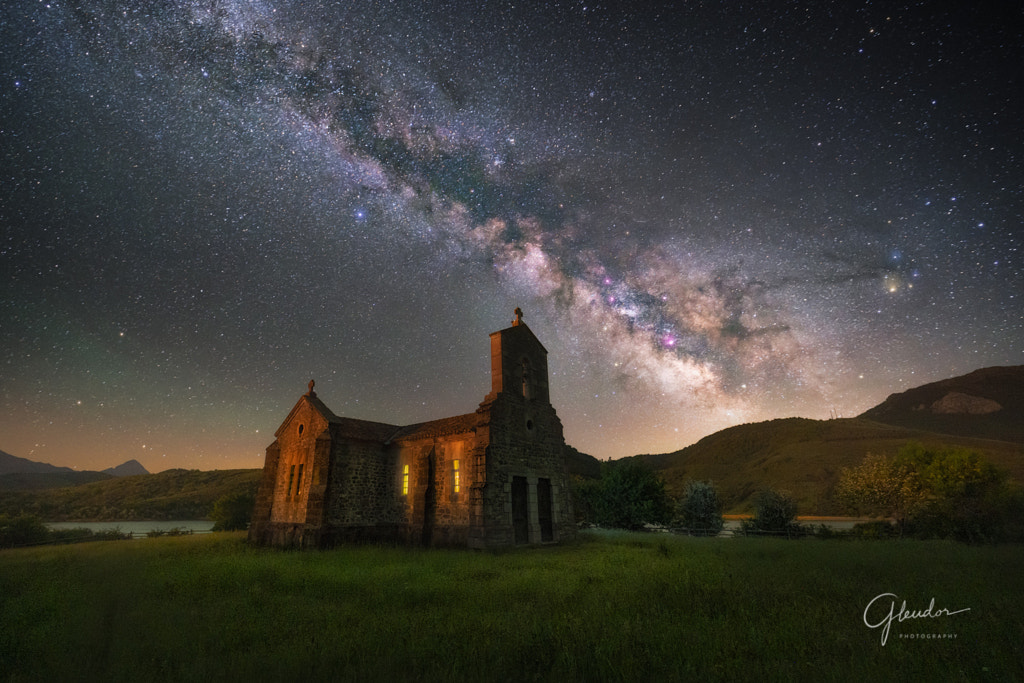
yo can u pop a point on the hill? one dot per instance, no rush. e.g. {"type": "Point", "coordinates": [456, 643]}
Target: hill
{"type": "Point", "coordinates": [582, 465]}
{"type": "Point", "coordinates": [982, 411]}
{"type": "Point", "coordinates": [22, 474]}
{"type": "Point", "coordinates": [127, 469]}
{"type": "Point", "coordinates": [12, 464]}
{"type": "Point", "coordinates": [804, 457]}
{"type": "Point", "coordinates": [169, 495]}
{"type": "Point", "coordinates": [987, 403]}
{"type": "Point", "coordinates": [34, 481]}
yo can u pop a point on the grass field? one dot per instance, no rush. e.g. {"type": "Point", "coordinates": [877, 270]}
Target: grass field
{"type": "Point", "coordinates": [612, 606]}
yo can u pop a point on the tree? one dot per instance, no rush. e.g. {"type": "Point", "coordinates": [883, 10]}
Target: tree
{"type": "Point", "coordinates": [882, 486]}
{"type": "Point", "coordinates": [627, 496]}
{"type": "Point", "coordinates": [232, 511]}
{"type": "Point", "coordinates": [775, 511]}
{"type": "Point", "coordinates": [700, 509]}
{"type": "Point", "coordinates": [22, 530]}
{"type": "Point", "coordinates": [944, 492]}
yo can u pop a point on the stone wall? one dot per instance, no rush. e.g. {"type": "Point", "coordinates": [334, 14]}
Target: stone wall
{"type": "Point", "coordinates": [363, 489]}
{"type": "Point", "coordinates": [297, 442]}
{"type": "Point", "coordinates": [437, 513]}
{"type": "Point", "coordinates": [525, 441]}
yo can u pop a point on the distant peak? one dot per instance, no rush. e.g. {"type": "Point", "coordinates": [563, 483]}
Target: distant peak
{"type": "Point", "coordinates": [127, 469]}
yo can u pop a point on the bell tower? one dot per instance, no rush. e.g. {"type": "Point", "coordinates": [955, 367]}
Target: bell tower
{"type": "Point", "coordinates": [519, 364]}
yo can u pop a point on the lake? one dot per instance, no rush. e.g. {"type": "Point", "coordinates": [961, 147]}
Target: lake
{"type": "Point", "coordinates": [138, 529]}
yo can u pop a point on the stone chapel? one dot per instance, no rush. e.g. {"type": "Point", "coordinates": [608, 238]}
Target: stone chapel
{"type": "Point", "coordinates": [494, 477]}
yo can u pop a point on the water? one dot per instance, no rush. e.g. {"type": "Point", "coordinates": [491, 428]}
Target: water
{"type": "Point", "coordinates": [138, 529]}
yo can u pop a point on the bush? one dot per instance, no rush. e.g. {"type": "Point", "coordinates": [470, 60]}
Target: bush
{"type": "Point", "coordinates": [775, 513]}
{"type": "Point", "coordinates": [233, 511]}
{"type": "Point", "coordinates": [936, 493]}
{"type": "Point", "coordinates": [22, 530]}
{"type": "Point", "coordinates": [627, 496]}
{"type": "Point", "coordinates": [700, 509]}
{"type": "Point", "coordinates": [876, 529]}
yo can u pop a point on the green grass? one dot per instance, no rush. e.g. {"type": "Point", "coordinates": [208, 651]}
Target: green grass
{"type": "Point", "coordinates": [613, 606]}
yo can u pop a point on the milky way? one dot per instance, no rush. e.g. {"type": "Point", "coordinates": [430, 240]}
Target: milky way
{"type": "Point", "coordinates": [711, 215]}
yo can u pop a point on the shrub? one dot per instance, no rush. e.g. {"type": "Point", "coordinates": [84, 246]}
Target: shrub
{"type": "Point", "coordinates": [627, 496]}
{"type": "Point", "coordinates": [233, 511]}
{"type": "Point", "coordinates": [22, 530]}
{"type": "Point", "coordinates": [700, 509]}
{"type": "Point", "coordinates": [775, 512]}
{"type": "Point", "coordinates": [876, 529]}
{"type": "Point", "coordinates": [936, 493]}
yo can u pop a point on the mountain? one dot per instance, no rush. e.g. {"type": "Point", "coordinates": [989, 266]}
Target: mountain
{"type": "Point", "coordinates": [982, 411]}
{"type": "Point", "coordinates": [582, 465]}
{"type": "Point", "coordinates": [34, 481]}
{"type": "Point", "coordinates": [127, 469]}
{"type": "Point", "coordinates": [987, 403]}
{"type": "Point", "coordinates": [12, 464]}
{"type": "Point", "coordinates": [167, 495]}
{"type": "Point", "coordinates": [17, 474]}
{"type": "Point", "coordinates": [804, 457]}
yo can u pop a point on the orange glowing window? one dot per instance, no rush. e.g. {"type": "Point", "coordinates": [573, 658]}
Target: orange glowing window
{"type": "Point", "coordinates": [456, 480]}
{"type": "Point", "coordinates": [405, 480]}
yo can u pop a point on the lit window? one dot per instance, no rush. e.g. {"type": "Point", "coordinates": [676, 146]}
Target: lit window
{"type": "Point", "coordinates": [298, 482]}
{"type": "Point", "coordinates": [455, 476]}
{"type": "Point", "coordinates": [405, 480]}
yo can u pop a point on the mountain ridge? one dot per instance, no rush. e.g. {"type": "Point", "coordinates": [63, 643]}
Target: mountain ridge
{"type": "Point", "coordinates": [806, 457]}
{"type": "Point", "coordinates": [18, 474]}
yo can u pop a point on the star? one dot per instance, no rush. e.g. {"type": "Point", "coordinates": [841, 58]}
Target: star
{"type": "Point", "coordinates": [692, 209]}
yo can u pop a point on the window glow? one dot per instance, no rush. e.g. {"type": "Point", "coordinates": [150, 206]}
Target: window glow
{"type": "Point", "coordinates": [455, 476]}
{"type": "Point", "coordinates": [405, 480]}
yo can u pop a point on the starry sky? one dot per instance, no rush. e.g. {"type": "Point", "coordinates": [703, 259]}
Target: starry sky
{"type": "Point", "coordinates": [711, 213]}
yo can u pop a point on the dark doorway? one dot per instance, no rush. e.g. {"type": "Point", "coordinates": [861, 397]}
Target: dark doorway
{"type": "Point", "coordinates": [429, 501]}
{"type": "Point", "coordinates": [520, 514]}
{"type": "Point", "coordinates": [544, 509]}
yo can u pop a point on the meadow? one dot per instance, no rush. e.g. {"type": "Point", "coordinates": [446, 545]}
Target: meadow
{"type": "Point", "coordinates": [611, 606]}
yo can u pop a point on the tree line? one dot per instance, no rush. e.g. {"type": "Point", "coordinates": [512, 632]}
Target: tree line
{"type": "Point", "coordinates": [921, 492]}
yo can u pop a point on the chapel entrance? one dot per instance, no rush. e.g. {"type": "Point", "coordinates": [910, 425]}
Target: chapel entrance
{"type": "Point", "coordinates": [544, 510]}
{"type": "Point", "coordinates": [520, 510]}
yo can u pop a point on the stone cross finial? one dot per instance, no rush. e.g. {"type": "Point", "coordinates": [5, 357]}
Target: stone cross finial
{"type": "Point", "coordinates": [311, 392]}
{"type": "Point", "coordinates": [519, 317]}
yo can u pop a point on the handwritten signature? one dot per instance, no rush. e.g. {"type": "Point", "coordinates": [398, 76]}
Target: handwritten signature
{"type": "Point", "coordinates": [903, 613]}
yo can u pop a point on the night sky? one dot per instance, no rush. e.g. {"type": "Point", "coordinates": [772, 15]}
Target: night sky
{"type": "Point", "coordinates": [710, 214]}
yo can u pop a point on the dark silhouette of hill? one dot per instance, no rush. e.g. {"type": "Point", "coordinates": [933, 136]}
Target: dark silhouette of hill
{"type": "Point", "coordinates": [581, 464]}
{"type": "Point", "coordinates": [983, 411]}
{"type": "Point", "coordinates": [169, 495]}
{"type": "Point", "coordinates": [804, 457]}
{"type": "Point", "coordinates": [987, 404]}
{"type": "Point", "coordinates": [127, 469]}
{"type": "Point", "coordinates": [12, 464]}
{"type": "Point", "coordinates": [34, 481]}
{"type": "Point", "coordinates": [17, 474]}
